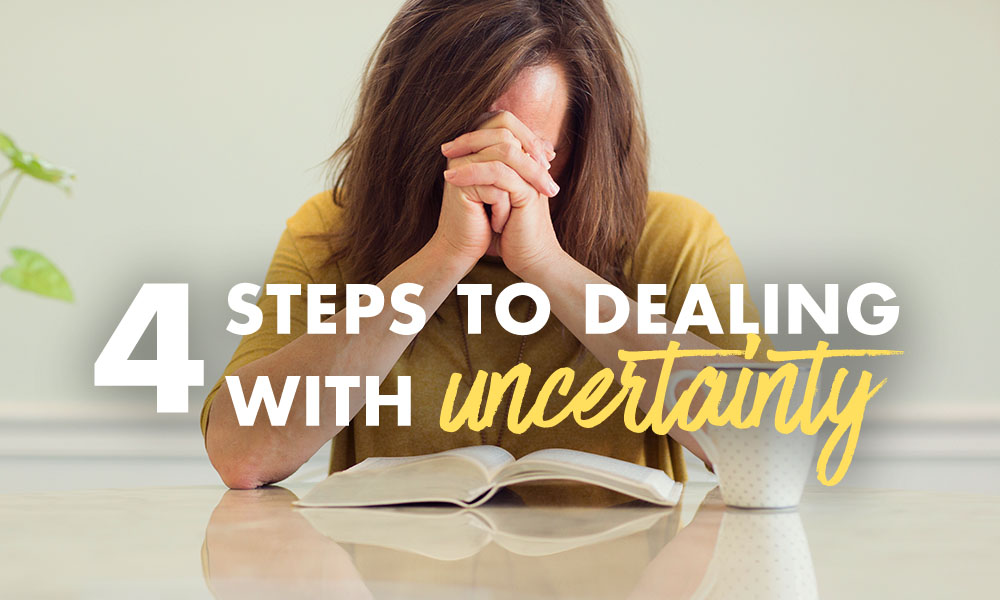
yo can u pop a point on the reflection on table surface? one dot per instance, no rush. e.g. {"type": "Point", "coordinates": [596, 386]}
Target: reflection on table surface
{"type": "Point", "coordinates": [541, 542]}
{"type": "Point", "coordinates": [537, 541]}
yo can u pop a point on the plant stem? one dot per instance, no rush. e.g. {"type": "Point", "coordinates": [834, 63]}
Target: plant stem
{"type": "Point", "coordinates": [10, 193]}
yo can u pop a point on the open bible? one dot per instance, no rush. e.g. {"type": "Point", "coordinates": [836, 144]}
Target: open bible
{"type": "Point", "coordinates": [470, 476]}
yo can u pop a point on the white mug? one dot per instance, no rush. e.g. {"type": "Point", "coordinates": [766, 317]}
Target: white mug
{"type": "Point", "coordinates": [758, 467]}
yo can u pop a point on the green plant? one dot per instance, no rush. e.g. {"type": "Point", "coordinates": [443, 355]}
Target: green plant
{"type": "Point", "coordinates": [31, 271]}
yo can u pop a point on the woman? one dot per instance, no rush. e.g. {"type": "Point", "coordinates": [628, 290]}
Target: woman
{"type": "Point", "coordinates": [495, 141]}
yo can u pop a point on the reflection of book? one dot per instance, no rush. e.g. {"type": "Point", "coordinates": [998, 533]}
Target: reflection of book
{"type": "Point", "coordinates": [455, 533]}
{"type": "Point", "coordinates": [469, 476]}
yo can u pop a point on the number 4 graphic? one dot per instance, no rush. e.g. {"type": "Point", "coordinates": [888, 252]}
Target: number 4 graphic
{"type": "Point", "coordinates": [171, 372]}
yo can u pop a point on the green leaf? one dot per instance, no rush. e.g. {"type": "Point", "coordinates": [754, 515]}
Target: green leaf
{"type": "Point", "coordinates": [35, 166]}
{"type": "Point", "coordinates": [35, 273]}
{"type": "Point", "coordinates": [8, 147]}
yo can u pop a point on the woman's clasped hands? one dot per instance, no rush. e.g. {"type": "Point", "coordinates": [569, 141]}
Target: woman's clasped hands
{"type": "Point", "coordinates": [505, 166]}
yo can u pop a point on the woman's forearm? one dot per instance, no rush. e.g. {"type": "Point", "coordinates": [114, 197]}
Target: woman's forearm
{"type": "Point", "coordinates": [564, 281]}
{"type": "Point", "coordinates": [251, 456]}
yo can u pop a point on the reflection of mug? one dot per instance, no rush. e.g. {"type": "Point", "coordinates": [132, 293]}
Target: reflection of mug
{"type": "Point", "coordinates": [760, 555]}
{"type": "Point", "coordinates": [758, 467]}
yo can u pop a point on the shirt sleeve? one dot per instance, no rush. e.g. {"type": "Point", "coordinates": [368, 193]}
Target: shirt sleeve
{"type": "Point", "coordinates": [683, 245]}
{"type": "Point", "coordinates": [287, 266]}
{"type": "Point", "coordinates": [720, 269]}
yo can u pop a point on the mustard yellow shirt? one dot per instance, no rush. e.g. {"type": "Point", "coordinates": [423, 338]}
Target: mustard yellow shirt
{"type": "Point", "coordinates": [681, 244]}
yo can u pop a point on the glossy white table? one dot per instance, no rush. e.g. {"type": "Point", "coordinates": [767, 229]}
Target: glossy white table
{"type": "Point", "coordinates": [196, 542]}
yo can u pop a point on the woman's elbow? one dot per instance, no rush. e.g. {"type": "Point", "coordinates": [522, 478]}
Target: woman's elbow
{"type": "Point", "coordinates": [236, 473]}
{"type": "Point", "coordinates": [227, 452]}
{"type": "Point", "coordinates": [241, 477]}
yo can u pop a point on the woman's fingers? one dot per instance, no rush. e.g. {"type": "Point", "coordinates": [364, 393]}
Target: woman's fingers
{"type": "Point", "coordinates": [499, 201]}
{"type": "Point", "coordinates": [532, 144]}
{"type": "Point", "coordinates": [480, 139]}
{"type": "Point", "coordinates": [496, 199]}
{"type": "Point", "coordinates": [493, 173]}
{"type": "Point", "coordinates": [512, 155]}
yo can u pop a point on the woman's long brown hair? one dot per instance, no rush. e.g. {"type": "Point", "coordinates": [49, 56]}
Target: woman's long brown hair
{"type": "Point", "coordinates": [437, 68]}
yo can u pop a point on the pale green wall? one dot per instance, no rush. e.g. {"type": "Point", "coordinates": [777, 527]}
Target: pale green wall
{"type": "Point", "coordinates": [838, 141]}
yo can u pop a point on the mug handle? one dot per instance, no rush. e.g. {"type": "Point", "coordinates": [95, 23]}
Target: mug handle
{"type": "Point", "coordinates": [676, 377]}
{"type": "Point", "coordinates": [699, 435]}
{"type": "Point", "coordinates": [703, 439]}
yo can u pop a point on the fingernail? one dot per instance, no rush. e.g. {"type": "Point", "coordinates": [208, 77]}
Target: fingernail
{"type": "Point", "coordinates": [449, 173]}
{"type": "Point", "coordinates": [553, 189]}
{"type": "Point", "coordinates": [446, 147]}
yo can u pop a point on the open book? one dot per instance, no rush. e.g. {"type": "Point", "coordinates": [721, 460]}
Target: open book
{"type": "Point", "coordinates": [453, 533]}
{"type": "Point", "coordinates": [470, 476]}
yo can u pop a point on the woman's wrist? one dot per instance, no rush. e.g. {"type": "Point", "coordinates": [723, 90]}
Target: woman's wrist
{"type": "Point", "coordinates": [547, 267]}
{"type": "Point", "coordinates": [442, 254]}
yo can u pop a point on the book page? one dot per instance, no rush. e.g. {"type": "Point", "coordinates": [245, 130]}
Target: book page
{"type": "Point", "coordinates": [490, 458]}
{"type": "Point", "coordinates": [458, 476]}
{"type": "Point", "coordinates": [651, 485]}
